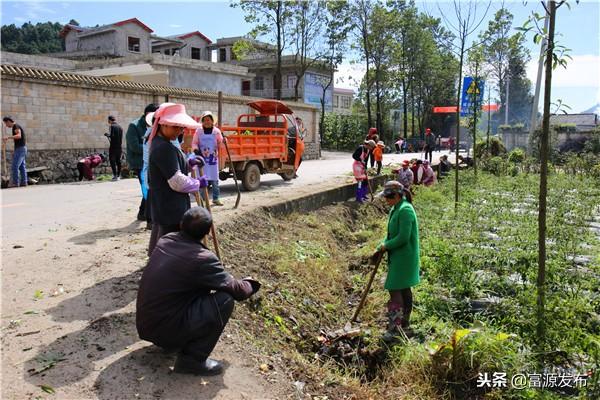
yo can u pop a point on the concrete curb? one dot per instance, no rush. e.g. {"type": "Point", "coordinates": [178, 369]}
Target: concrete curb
{"type": "Point", "coordinates": [315, 201]}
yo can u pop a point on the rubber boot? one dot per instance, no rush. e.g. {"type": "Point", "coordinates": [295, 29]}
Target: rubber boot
{"type": "Point", "coordinates": [186, 364]}
{"type": "Point", "coordinates": [395, 319]}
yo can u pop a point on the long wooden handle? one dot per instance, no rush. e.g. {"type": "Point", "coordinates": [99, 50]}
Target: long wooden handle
{"type": "Point", "coordinates": [367, 289]}
{"type": "Point", "coordinates": [207, 203]}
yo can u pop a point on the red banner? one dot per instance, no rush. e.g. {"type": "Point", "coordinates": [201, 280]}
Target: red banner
{"type": "Point", "coordinates": [452, 109]}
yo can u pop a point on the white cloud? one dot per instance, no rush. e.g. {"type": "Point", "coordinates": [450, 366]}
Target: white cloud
{"type": "Point", "coordinates": [175, 26]}
{"type": "Point", "coordinates": [34, 10]}
{"type": "Point", "coordinates": [581, 71]}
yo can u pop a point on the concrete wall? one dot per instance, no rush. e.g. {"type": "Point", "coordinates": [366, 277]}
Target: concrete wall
{"type": "Point", "coordinates": [38, 61]}
{"type": "Point", "coordinates": [71, 41]}
{"type": "Point", "coordinates": [64, 120]}
{"type": "Point", "coordinates": [205, 80]}
{"type": "Point", "coordinates": [512, 140]}
{"type": "Point", "coordinates": [101, 43]}
{"type": "Point", "coordinates": [132, 29]}
{"type": "Point", "coordinates": [195, 41]}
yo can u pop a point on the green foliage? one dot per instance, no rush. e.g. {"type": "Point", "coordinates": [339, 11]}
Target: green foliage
{"type": "Point", "coordinates": [32, 39]}
{"type": "Point", "coordinates": [344, 132]}
{"type": "Point", "coordinates": [516, 156]}
{"type": "Point", "coordinates": [593, 144]}
{"type": "Point", "coordinates": [496, 148]}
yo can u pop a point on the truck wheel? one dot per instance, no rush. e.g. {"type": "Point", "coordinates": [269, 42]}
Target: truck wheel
{"type": "Point", "coordinates": [251, 178]}
{"type": "Point", "coordinates": [288, 176]}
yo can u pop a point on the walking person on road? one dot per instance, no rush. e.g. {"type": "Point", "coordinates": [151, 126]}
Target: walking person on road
{"type": "Point", "coordinates": [169, 183]}
{"type": "Point", "coordinates": [378, 155]}
{"type": "Point", "coordinates": [134, 138]}
{"type": "Point", "coordinates": [115, 137]}
{"type": "Point", "coordinates": [402, 247]}
{"type": "Point", "coordinates": [429, 144]}
{"type": "Point", "coordinates": [18, 167]}
{"type": "Point", "coordinates": [186, 297]}
{"type": "Point", "coordinates": [207, 140]}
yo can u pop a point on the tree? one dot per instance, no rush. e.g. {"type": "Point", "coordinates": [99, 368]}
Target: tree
{"type": "Point", "coordinates": [555, 56]}
{"type": "Point", "coordinates": [32, 39]}
{"type": "Point", "coordinates": [272, 19]}
{"type": "Point", "coordinates": [466, 25]}
{"type": "Point", "coordinates": [362, 13]}
{"type": "Point", "coordinates": [338, 25]}
{"type": "Point", "coordinates": [306, 29]}
{"type": "Point", "coordinates": [475, 63]}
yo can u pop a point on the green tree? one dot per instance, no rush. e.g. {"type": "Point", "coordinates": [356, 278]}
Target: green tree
{"type": "Point", "coordinates": [272, 20]}
{"type": "Point", "coordinates": [32, 39]}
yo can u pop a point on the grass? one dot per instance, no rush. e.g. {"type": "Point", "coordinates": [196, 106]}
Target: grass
{"type": "Point", "coordinates": [315, 267]}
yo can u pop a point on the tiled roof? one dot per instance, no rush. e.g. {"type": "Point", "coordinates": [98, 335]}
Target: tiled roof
{"type": "Point", "coordinates": [197, 33]}
{"type": "Point", "coordinates": [67, 77]}
{"type": "Point", "coordinates": [108, 84]}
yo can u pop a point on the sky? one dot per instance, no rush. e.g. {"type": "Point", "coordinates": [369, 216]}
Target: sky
{"type": "Point", "coordinates": [579, 29]}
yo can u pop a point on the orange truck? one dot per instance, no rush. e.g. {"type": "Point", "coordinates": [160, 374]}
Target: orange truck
{"type": "Point", "coordinates": [267, 142]}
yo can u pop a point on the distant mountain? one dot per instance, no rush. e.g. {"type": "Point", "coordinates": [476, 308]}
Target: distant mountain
{"type": "Point", "coordinates": [594, 110]}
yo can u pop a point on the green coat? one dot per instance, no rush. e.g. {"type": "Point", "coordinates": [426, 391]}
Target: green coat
{"type": "Point", "coordinates": [135, 142]}
{"type": "Point", "coordinates": [402, 245]}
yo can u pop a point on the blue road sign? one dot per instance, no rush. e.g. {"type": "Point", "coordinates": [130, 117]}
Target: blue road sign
{"type": "Point", "coordinates": [472, 91]}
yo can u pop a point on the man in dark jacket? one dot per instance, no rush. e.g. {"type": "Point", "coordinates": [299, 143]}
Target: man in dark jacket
{"type": "Point", "coordinates": [175, 307]}
{"type": "Point", "coordinates": [115, 137]}
{"type": "Point", "coordinates": [134, 139]}
{"type": "Point", "coordinates": [429, 144]}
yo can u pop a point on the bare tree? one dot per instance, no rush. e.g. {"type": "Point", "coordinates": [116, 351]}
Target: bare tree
{"type": "Point", "coordinates": [362, 14]}
{"type": "Point", "coordinates": [307, 24]}
{"type": "Point", "coordinates": [467, 23]}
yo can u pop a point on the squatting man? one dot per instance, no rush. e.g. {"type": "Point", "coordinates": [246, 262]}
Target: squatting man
{"type": "Point", "coordinates": [186, 297]}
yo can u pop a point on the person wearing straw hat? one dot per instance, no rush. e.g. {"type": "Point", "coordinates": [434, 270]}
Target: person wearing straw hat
{"type": "Point", "coordinates": [207, 140]}
{"type": "Point", "coordinates": [402, 247]}
{"type": "Point", "coordinates": [168, 180]}
{"type": "Point", "coordinates": [134, 139]}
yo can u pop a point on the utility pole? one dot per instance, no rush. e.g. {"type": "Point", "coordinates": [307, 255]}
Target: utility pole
{"type": "Point", "coordinates": [538, 83]}
{"type": "Point", "coordinates": [489, 122]}
{"type": "Point", "coordinates": [506, 100]}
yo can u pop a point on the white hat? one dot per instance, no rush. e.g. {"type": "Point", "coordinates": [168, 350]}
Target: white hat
{"type": "Point", "coordinates": [207, 114]}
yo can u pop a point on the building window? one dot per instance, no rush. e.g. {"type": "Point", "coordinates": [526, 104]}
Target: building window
{"type": "Point", "coordinates": [291, 81]}
{"type": "Point", "coordinates": [259, 83]}
{"type": "Point", "coordinates": [168, 52]}
{"type": "Point", "coordinates": [196, 53]}
{"type": "Point", "coordinates": [222, 55]}
{"type": "Point", "coordinates": [336, 101]}
{"type": "Point", "coordinates": [346, 102]}
{"type": "Point", "coordinates": [133, 44]}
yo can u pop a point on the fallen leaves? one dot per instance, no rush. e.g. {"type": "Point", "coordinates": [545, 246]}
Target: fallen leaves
{"type": "Point", "coordinates": [38, 294]}
{"type": "Point", "coordinates": [46, 361]}
{"type": "Point", "coordinates": [48, 389]}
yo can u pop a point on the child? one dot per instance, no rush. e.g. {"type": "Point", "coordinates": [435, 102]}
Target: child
{"type": "Point", "coordinates": [378, 154]}
{"type": "Point", "coordinates": [86, 165]}
{"type": "Point", "coordinates": [359, 168]}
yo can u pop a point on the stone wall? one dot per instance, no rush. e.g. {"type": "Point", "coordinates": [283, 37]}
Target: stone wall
{"type": "Point", "coordinates": [64, 121]}
{"type": "Point", "coordinates": [38, 61]}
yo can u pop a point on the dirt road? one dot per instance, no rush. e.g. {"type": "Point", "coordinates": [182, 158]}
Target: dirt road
{"type": "Point", "coordinates": [71, 260]}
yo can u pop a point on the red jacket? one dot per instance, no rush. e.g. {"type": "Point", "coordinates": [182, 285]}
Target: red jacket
{"type": "Point", "coordinates": [89, 163]}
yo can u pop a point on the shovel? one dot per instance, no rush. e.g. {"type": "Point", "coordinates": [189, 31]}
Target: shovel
{"type": "Point", "coordinates": [347, 331]}
{"type": "Point", "coordinates": [213, 233]}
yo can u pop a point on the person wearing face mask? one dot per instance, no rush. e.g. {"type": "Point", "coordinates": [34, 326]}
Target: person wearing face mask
{"type": "Point", "coordinates": [168, 180]}
{"type": "Point", "coordinates": [402, 247]}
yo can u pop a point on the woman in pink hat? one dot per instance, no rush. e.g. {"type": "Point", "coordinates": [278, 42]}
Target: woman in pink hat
{"type": "Point", "coordinates": [168, 180]}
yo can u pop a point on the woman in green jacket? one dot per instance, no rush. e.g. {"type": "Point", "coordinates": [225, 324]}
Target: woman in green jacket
{"type": "Point", "coordinates": [402, 246]}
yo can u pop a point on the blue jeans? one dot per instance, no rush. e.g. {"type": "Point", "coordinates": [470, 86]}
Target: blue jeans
{"type": "Point", "coordinates": [18, 166]}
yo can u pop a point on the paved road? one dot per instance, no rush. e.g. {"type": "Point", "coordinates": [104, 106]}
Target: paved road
{"type": "Point", "coordinates": [37, 210]}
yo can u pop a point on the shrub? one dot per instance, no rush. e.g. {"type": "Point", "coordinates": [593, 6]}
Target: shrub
{"type": "Point", "coordinates": [516, 156]}
{"type": "Point", "coordinates": [593, 144]}
{"type": "Point", "coordinates": [496, 148]}
{"type": "Point", "coordinates": [494, 165]}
